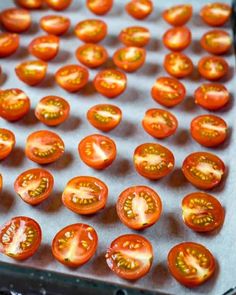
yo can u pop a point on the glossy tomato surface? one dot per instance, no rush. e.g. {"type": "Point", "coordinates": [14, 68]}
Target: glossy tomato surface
{"type": "Point", "coordinates": [7, 142]}
{"type": "Point", "coordinates": [30, 4]}
{"type": "Point", "coordinates": [139, 9]}
{"type": "Point", "coordinates": [15, 20]}
{"type": "Point", "coordinates": [215, 14]}
{"type": "Point", "coordinates": [55, 24]}
{"type": "Point", "coordinates": [9, 43]}
{"type": "Point", "coordinates": [58, 4]}
{"type": "Point", "coordinates": [99, 7]}
{"type": "Point", "coordinates": [91, 30]}
{"type": "Point", "coordinates": [213, 67]}
{"type": "Point", "coordinates": [177, 39]}
{"type": "Point", "coordinates": [178, 65]}
{"type": "Point", "coordinates": [135, 36]}
{"type": "Point", "coordinates": [216, 42]}
{"type": "Point", "coordinates": [91, 55]}
{"type": "Point", "coordinates": [178, 15]}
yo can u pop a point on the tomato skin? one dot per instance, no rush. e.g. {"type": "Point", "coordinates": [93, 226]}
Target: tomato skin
{"type": "Point", "coordinates": [135, 36]}
{"type": "Point", "coordinates": [1, 183]}
{"type": "Point", "coordinates": [15, 20]}
{"type": "Point", "coordinates": [218, 64]}
{"type": "Point", "coordinates": [216, 42]}
{"type": "Point", "coordinates": [29, 4]}
{"type": "Point", "coordinates": [178, 19]}
{"type": "Point", "coordinates": [170, 36]}
{"type": "Point", "coordinates": [212, 16]}
{"type": "Point", "coordinates": [135, 8]}
{"type": "Point", "coordinates": [180, 60]}
{"type": "Point", "coordinates": [8, 137]}
{"type": "Point", "coordinates": [99, 7]}
{"type": "Point", "coordinates": [55, 24]}
{"type": "Point", "coordinates": [9, 43]}
{"type": "Point", "coordinates": [58, 4]}
{"type": "Point", "coordinates": [96, 32]}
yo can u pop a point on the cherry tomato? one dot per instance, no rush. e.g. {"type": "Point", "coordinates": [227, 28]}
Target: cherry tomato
{"type": "Point", "coordinates": [191, 264]}
{"type": "Point", "coordinates": [14, 104]}
{"type": "Point", "coordinates": [203, 170]}
{"type": "Point", "coordinates": [9, 43]}
{"type": "Point", "coordinates": [20, 238]}
{"type": "Point", "coordinates": [52, 110]}
{"type": "Point", "coordinates": [72, 78]}
{"type": "Point", "coordinates": [92, 55]}
{"type": "Point", "coordinates": [30, 4]}
{"type": "Point", "coordinates": [34, 185]}
{"type": "Point", "coordinates": [99, 7]}
{"type": "Point", "coordinates": [135, 36]}
{"type": "Point", "coordinates": [216, 42]}
{"type": "Point", "coordinates": [55, 24]}
{"type": "Point", "coordinates": [31, 72]}
{"type": "Point", "coordinates": [44, 147]}
{"type": "Point", "coordinates": [178, 15]}
{"type": "Point", "coordinates": [15, 20]}
{"type": "Point", "coordinates": [110, 83]}
{"type": "Point", "coordinates": [104, 117]}
{"type": "Point", "coordinates": [85, 195]}
{"type": "Point", "coordinates": [178, 65]}
{"type": "Point", "coordinates": [58, 4]}
{"type": "Point", "coordinates": [130, 256]}
{"type": "Point", "coordinates": [139, 207]}
{"type": "Point", "coordinates": [1, 183]}
{"type": "Point", "coordinates": [7, 143]}
{"type": "Point", "coordinates": [139, 9]}
{"type": "Point", "coordinates": [153, 161]}
{"type": "Point", "coordinates": [209, 130]}
{"type": "Point", "coordinates": [213, 67]}
{"type": "Point", "coordinates": [91, 30]}
{"type": "Point", "coordinates": [177, 39]}
{"type": "Point", "coordinates": [215, 14]}
{"type": "Point", "coordinates": [75, 244]}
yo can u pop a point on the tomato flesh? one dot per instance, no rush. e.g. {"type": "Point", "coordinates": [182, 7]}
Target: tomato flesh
{"type": "Point", "coordinates": [99, 7]}
{"type": "Point", "coordinates": [7, 143]}
{"type": "Point", "coordinates": [15, 20]}
{"type": "Point", "coordinates": [58, 4]}
{"type": "Point", "coordinates": [216, 42]}
{"type": "Point", "coordinates": [55, 24]}
{"type": "Point", "coordinates": [215, 14]}
{"type": "Point", "coordinates": [30, 4]}
{"type": "Point", "coordinates": [178, 65]}
{"type": "Point", "coordinates": [177, 39]}
{"type": "Point", "coordinates": [135, 36]}
{"type": "Point", "coordinates": [213, 67]}
{"type": "Point", "coordinates": [91, 30]}
{"type": "Point", "coordinates": [139, 9]}
{"type": "Point", "coordinates": [178, 15]}
{"type": "Point", "coordinates": [92, 55]}
{"type": "Point", "coordinates": [9, 43]}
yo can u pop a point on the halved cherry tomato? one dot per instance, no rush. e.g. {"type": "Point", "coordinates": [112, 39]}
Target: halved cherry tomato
{"type": "Point", "coordinates": [75, 244]}
{"type": "Point", "coordinates": [215, 14]}
{"type": "Point", "coordinates": [213, 67]}
{"type": "Point", "coordinates": [178, 15]}
{"type": "Point", "coordinates": [203, 170]}
{"type": "Point", "coordinates": [9, 43]}
{"type": "Point", "coordinates": [99, 7]}
{"type": "Point", "coordinates": [31, 72]}
{"type": "Point", "coordinates": [55, 24]}
{"type": "Point", "coordinates": [91, 30]}
{"type": "Point", "coordinates": [72, 77]}
{"type": "Point", "coordinates": [177, 39]}
{"type": "Point", "coordinates": [20, 238]}
{"type": "Point", "coordinates": [153, 161]}
{"type": "Point", "coordinates": [191, 264]}
{"type": "Point", "coordinates": [44, 147]}
{"type": "Point", "coordinates": [1, 183]}
{"type": "Point", "coordinates": [30, 4]}
{"type": "Point", "coordinates": [159, 123]}
{"type": "Point", "coordinates": [178, 65]}
{"type": "Point", "coordinates": [58, 4]}
{"type": "Point", "coordinates": [45, 47]}
{"type": "Point", "coordinates": [15, 20]}
{"type": "Point", "coordinates": [139, 9]}
{"type": "Point", "coordinates": [130, 256]}
{"type": "Point", "coordinates": [135, 36]}
{"type": "Point", "coordinates": [104, 117]}
{"type": "Point", "coordinates": [129, 59]}
{"type": "Point", "coordinates": [110, 83]}
{"type": "Point", "coordinates": [216, 42]}
{"type": "Point", "coordinates": [202, 212]}
{"type": "Point", "coordinates": [91, 55]}
{"type": "Point", "coordinates": [52, 110]}
{"type": "Point", "coordinates": [34, 185]}
{"type": "Point", "coordinates": [14, 104]}
{"type": "Point", "coordinates": [7, 143]}
{"type": "Point", "coordinates": [139, 207]}
{"type": "Point", "coordinates": [209, 130]}
{"type": "Point", "coordinates": [85, 195]}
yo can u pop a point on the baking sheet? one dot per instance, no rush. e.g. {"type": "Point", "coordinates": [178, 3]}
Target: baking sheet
{"type": "Point", "coordinates": [170, 230]}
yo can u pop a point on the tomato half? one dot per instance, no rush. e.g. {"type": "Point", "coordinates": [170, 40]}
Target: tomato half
{"type": "Point", "coordinates": [34, 185]}
{"type": "Point", "coordinates": [213, 67]}
{"type": "Point", "coordinates": [177, 39]}
{"type": "Point", "coordinates": [139, 207]}
{"type": "Point", "coordinates": [99, 7]}
{"type": "Point", "coordinates": [110, 83]}
{"type": "Point", "coordinates": [209, 130]}
{"type": "Point", "coordinates": [85, 195]}
{"type": "Point", "coordinates": [191, 264]}
{"type": "Point", "coordinates": [55, 24]}
{"type": "Point", "coordinates": [72, 78]}
{"type": "Point", "coordinates": [215, 14]}
{"type": "Point", "coordinates": [204, 170]}
{"type": "Point", "coordinates": [75, 244]}
{"type": "Point", "coordinates": [91, 30]}
{"type": "Point", "coordinates": [130, 256]}
{"type": "Point", "coordinates": [14, 104]}
{"type": "Point", "coordinates": [31, 72]}
{"type": "Point", "coordinates": [91, 55]}
{"type": "Point", "coordinates": [30, 4]}
{"type": "Point", "coordinates": [178, 65]}
{"type": "Point", "coordinates": [178, 15]}
{"type": "Point", "coordinates": [139, 9]}
{"type": "Point", "coordinates": [135, 36]}
{"type": "Point", "coordinates": [52, 110]}
{"type": "Point", "coordinates": [15, 20]}
{"type": "Point", "coordinates": [153, 161]}
{"type": "Point", "coordinates": [104, 117]}
{"type": "Point", "coordinates": [97, 151]}
{"type": "Point", "coordinates": [7, 143]}
{"type": "Point", "coordinates": [44, 147]}
{"type": "Point", "coordinates": [20, 237]}
{"type": "Point", "coordinates": [58, 4]}
{"type": "Point", "coordinates": [216, 42]}
{"type": "Point", "coordinates": [9, 43]}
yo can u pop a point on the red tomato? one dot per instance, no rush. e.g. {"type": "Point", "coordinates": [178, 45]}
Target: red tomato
{"type": "Point", "coordinates": [139, 9]}
{"type": "Point", "coordinates": [99, 7]}
{"type": "Point", "coordinates": [15, 20]}
{"type": "Point", "coordinates": [216, 42]}
{"type": "Point", "coordinates": [30, 4]}
{"type": "Point", "coordinates": [9, 43]}
{"type": "Point", "coordinates": [215, 14]}
{"type": "Point", "coordinates": [203, 170]}
{"type": "Point", "coordinates": [178, 15]}
{"type": "Point", "coordinates": [177, 39]}
{"type": "Point", "coordinates": [14, 104]}
{"type": "Point", "coordinates": [91, 55]}
{"type": "Point", "coordinates": [91, 30]}
{"type": "Point", "coordinates": [20, 238]}
{"type": "Point", "coordinates": [75, 244]}
{"type": "Point", "coordinates": [44, 147]}
{"type": "Point", "coordinates": [191, 264]}
{"type": "Point", "coordinates": [55, 24]}
{"type": "Point", "coordinates": [34, 185]}
{"type": "Point", "coordinates": [58, 4]}
{"type": "Point", "coordinates": [110, 83]}
{"type": "Point", "coordinates": [85, 195]}
{"type": "Point", "coordinates": [139, 207]}
{"type": "Point", "coordinates": [31, 72]}
{"type": "Point", "coordinates": [7, 143]}
{"type": "Point", "coordinates": [72, 78]}
{"type": "Point", "coordinates": [104, 117]}
{"type": "Point", "coordinates": [209, 130]}
{"type": "Point", "coordinates": [130, 256]}
{"type": "Point", "coordinates": [135, 36]}
{"type": "Point", "coordinates": [52, 110]}
{"type": "Point", "coordinates": [213, 67]}
{"type": "Point", "coordinates": [178, 65]}
{"type": "Point", "coordinates": [153, 161]}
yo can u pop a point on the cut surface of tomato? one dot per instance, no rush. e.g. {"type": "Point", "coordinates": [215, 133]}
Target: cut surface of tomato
{"type": "Point", "coordinates": [44, 47]}
{"type": "Point", "coordinates": [15, 20]}
{"type": "Point", "coordinates": [58, 4]}
{"type": "Point", "coordinates": [7, 142]}
{"type": "Point", "coordinates": [139, 9]}
{"type": "Point", "coordinates": [216, 42]}
{"type": "Point", "coordinates": [213, 67]}
{"type": "Point", "coordinates": [55, 24]}
{"type": "Point", "coordinates": [135, 36]}
{"type": "Point", "coordinates": [92, 55]}
{"type": "Point", "coordinates": [9, 43]}
{"type": "Point", "coordinates": [177, 39]}
{"type": "Point", "coordinates": [215, 14]}
{"type": "Point", "coordinates": [178, 65]}
{"type": "Point", "coordinates": [178, 15]}
{"type": "Point", "coordinates": [91, 30]}
{"type": "Point", "coordinates": [99, 7]}
{"type": "Point", "coordinates": [30, 4]}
